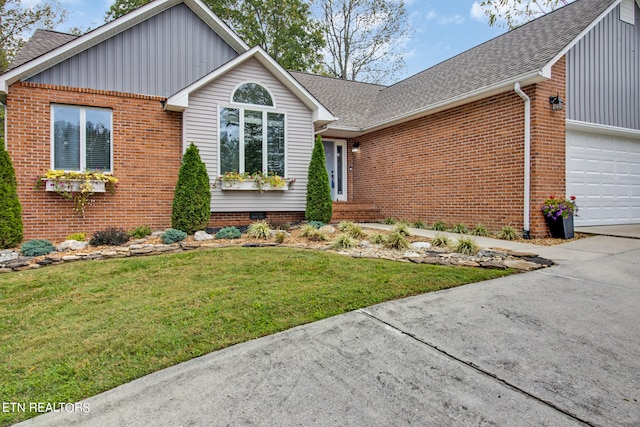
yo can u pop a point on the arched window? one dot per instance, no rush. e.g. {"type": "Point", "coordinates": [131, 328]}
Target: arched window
{"type": "Point", "coordinates": [252, 137]}
{"type": "Point", "coordinates": [253, 93]}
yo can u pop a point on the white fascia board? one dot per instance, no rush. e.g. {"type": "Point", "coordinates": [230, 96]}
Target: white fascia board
{"type": "Point", "coordinates": [113, 28]}
{"type": "Point", "coordinates": [579, 126]}
{"type": "Point", "coordinates": [504, 86]}
{"type": "Point", "coordinates": [568, 47]}
{"type": "Point", "coordinates": [180, 100]}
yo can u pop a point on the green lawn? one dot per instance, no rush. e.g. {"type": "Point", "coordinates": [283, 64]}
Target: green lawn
{"type": "Point", "coordinates": [71, 331]}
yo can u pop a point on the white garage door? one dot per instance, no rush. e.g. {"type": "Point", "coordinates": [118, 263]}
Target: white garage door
{"type": "Point", "coordinates": [603, 172]}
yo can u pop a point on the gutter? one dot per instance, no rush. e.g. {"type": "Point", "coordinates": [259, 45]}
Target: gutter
{"type": "Point", "coordinates": [527, 159]}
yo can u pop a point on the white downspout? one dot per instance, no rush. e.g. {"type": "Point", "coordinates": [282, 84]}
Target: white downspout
{"type": "Point", "coordinates": [527, 159]}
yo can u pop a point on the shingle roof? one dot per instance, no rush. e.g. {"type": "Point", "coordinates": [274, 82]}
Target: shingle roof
{"type": "Point", "coordinates": [347, 100]}
{"type": "Point", "coordinates": [41, 42]}
{"type": "Point", "coordinates": [523, 51]}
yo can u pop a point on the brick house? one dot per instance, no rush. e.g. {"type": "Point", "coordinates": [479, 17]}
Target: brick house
{"type": "Point", "coordinates": [474, 139]}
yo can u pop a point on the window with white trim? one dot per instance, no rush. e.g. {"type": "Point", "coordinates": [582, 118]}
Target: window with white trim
{"type": "Point", "coordinates": [252, 139]}
{"type": "Point", "coordinates": [81, 138]}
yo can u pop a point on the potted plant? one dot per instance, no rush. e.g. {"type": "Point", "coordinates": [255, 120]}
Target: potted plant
{"type": "Point", "coordinates": [78, 186]}
{"type": "Point", "coordinates": [559, 213]}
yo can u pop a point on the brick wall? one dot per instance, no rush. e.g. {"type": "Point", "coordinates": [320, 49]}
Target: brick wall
{"type": "Point", "coordinates": [466, 164]}
{"type": "Point", "coordinates": [146, 158]}
{"type": "Point", "coordinates": [227, 219]}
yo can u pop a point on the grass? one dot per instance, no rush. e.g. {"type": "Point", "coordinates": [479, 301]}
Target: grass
{"type": "Point", "coordinates": [71, 331]}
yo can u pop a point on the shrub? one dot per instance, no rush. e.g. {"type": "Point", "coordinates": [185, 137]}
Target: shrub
{"type": "Point", "coordinates": [377, 238]}
{"type": "Point", "coordinates": [192, 197]}
{"type": "Point", "coordinates": [508, 233]}
{"type": "Point", "coordinates": [460, 228]}
{"type": "Point", "coordinates": [111, 236]}
{"type": "Point", "coordinates": [36, 247]}
{"type": "Point", "coordinates": [352, 229]}
{"type": "Point", "coordinates": [10, 208]}
{"type": "Point", "coordinates": [343, 241]}
{"type": "Point", "coordinates": [140, 232]}
{"type": "Point", "coordinates": [402, 228]}
{"type": "Point", "coordinates": [316, 224]}
{"type": "Point", "coordinates": [480, 230]}
{"type": "Point", "coordinates": [319, 204]}
{"type": "Point", "coordinates": [259, 230]}
{"type": "Point", "coordinates": [173, 236]}
{"type": "Point", "coordinates": [440, 241]}
{"type": "Point", "coordinates": [389, 221]}
{"type": "Point", "coordinates": [396, 240]}
{"type": "Point", "coordinates": [466, 246]}
{"type": "Point", "coordinates": [281, 236]}
{"type": "Point", "coordinates": [419, 224]}
{"type": "Point", "coordinates": [80, 237]}
{"type": "Point", "coordinates": [229, 233]}
{"type": "Point", "coordinates": [438, 226]}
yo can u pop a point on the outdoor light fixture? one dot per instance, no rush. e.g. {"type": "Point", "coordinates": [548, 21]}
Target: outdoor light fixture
{"type": "Point", "coordinates": [356, 147]}
{"type": "Point", "coordinates": [556, 103]}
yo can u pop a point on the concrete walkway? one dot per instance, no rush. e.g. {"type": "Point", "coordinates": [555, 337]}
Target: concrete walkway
{"type": "Point", "coordinates": [554, 347]}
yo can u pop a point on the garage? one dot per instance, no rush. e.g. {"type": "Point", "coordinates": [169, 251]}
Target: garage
{"type": "Point", "coordinates": [603, 172]}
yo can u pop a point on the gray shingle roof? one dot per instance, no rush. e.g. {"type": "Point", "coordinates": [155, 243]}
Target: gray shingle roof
{"type": "Point", "coordinates": [347, 100]}
{"type": "Point", "coordinates": [41, 42]}
{"type": "Point", "coordinates": [519, 52]}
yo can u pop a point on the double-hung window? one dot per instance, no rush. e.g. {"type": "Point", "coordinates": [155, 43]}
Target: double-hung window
{"type": "Point", "coordinates": [81, 138]}
{"type": "Point", "coordinates": [252, 135]}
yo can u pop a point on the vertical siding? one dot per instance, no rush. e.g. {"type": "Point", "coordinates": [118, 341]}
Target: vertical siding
{"type": "Point", "coordinates": [201, 128]}
{"type": "Point", "coordinates": [603, 74]}
{"type": "Point", "coordinates": [157, 57]}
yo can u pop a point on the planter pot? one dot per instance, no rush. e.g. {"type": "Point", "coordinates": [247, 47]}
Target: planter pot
{"type": "Point", "coordinates": [249, 184]}
{"type": "Point", "coordinates": [561, 228]}
{"type": "Point", "coordinates": [73, 185]}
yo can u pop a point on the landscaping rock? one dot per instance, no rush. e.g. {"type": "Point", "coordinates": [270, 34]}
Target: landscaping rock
{"type": "Point", "coordinates": [71, 245]}
{"type": "Point", "coordinates": [412, 255]}
{"type": "Point", "coordinates": [141, 251]}
{"type": "Point", "coordinates": [416, 246]}
{"type": "Point", "coordinates": [157, 233]}
{"type": "Point", "coordinates": [71, 258]}
{"type": "Point", "coordinates": [27, 267]}
{"type": "Point", "coordinates": [8, 255]}
{"type": "Point", "coordinates": [201, 236]}
{"type": "Point", "coordinates": [329, 229]}
{"type": "Point", "coordinates": [110, 254]}
{"type": "Point", "coordinates": [365, 244]}
{"type": "Point", "coordinates": [135, 246]}
{"type": "Point", "coordinates": [519, 264]}
{"type": "Point", "coordinates": [5, 270]}
{"type": "Point", "coordinates": [18, 263]}
{"type": "Point", "coordinates": [493, 264]}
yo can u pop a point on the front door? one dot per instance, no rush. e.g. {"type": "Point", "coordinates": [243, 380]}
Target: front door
{"type": "Point", "coordinates": [335, 152]}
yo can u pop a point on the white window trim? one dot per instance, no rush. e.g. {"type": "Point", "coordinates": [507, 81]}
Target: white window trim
{"type": "Point", "coordinates": [233, 92]}
{"type": "Point", "coordinates": [83, 135]}
{"type": "Point", "coordinates": [265, 154]}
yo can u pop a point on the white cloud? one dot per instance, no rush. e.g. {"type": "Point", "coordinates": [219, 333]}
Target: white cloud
{"type": "Point", "coordinates": [477, 13]}
{"type": "Point", "coordinates": [443, 19]}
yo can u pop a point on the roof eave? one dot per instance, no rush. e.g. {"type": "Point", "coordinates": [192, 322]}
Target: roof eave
{"type": "Point", "coordinates": [112, 28]}
{"type": "Point", "coordinates": [504, 86]}
{"type": "Point", "coordinates": [321, 115]}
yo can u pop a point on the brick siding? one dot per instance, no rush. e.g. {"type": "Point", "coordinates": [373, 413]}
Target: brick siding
{"type": "Point", "coordinates": [466, 164]}
{"type": "Point", "coordinates": [147, 147]}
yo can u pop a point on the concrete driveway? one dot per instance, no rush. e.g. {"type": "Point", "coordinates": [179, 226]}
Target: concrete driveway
{"type": "Point", "coordinates": [555, 347]}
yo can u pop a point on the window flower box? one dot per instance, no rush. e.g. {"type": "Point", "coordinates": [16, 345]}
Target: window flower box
{"type": "Point", "coordinates": [74, 185]}
{"type": "Point", "coordinates": [254, 182]}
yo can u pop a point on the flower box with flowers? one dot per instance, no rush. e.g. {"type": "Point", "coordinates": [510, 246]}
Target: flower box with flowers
{"type": "Point", "coordinates": [74, 185]}
{"type": "Point", "coordinates": [257, 182]}
{"type": "Point", "coordinates": [559, 213]}
{"type": "Point", "coordinates": [77, 186]}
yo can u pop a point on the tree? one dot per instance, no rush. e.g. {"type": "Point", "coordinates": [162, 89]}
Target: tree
{"type": "Point", "coordinates": [517, 12]}
{"type": "Point", "coordinates": [319, 204]}
{"type": "Point", "coordinates": [17, 21]}
{"type": "Point", "coordinates": [192, 197]}
{"type": "Point", "coordinates": [283, 28]}
{"type": "Point", "coordinates": [10, 209]}
{"type": "Point", "coordinates": [364, 38]}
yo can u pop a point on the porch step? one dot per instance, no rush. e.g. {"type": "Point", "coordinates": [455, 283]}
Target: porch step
{"type": "Point", "coordinates": [355, 211]}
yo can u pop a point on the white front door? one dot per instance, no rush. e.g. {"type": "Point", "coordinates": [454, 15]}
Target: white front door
{"type": "Point", "coordinates": [335, 152]}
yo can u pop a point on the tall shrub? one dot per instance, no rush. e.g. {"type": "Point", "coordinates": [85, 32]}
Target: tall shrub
{"type": "Point", "coordinates": [192, 197]}
{"type": "Point", "coordinates": [10, 209]}
{"type": "Point", "coordinates": [319, 204]}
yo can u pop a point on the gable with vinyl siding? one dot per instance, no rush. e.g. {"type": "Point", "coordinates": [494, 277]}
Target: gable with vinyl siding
{"type": "Point", "coordinates": [200, 126]}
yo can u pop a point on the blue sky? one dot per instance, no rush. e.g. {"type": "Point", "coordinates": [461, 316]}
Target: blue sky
{"type": "Point", "coordinates": [442, 28]}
